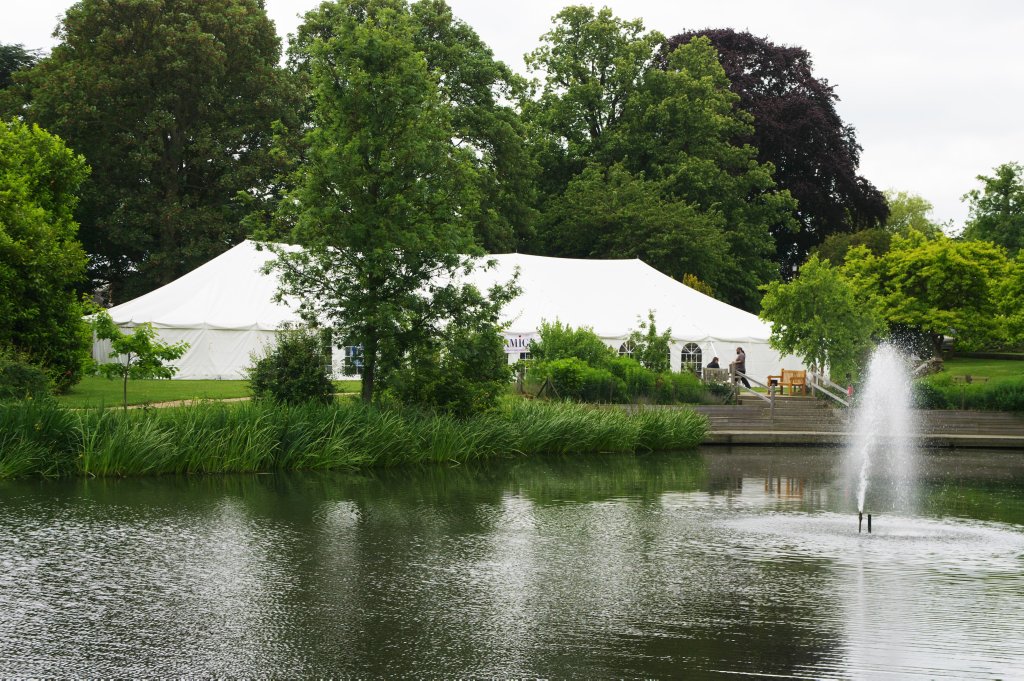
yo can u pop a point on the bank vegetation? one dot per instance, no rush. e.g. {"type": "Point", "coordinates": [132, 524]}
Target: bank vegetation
{"type": "Point", "coordinates": [41, 438]}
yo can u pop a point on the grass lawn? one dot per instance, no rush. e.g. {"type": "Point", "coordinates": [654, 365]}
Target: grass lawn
{"type": "Point", "coordinates": [990, 368]}
{"type": "Point", "coordinates": [96, 391]}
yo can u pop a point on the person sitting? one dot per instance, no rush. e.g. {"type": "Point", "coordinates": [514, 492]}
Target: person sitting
{"type": "Point", "coordinates": [713, 364]}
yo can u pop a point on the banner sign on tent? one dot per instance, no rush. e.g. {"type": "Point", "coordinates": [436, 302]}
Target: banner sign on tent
{"type": "Point", "coordinates": [518, 343]}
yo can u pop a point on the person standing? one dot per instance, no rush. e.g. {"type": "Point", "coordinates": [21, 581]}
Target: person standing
{"type": "Point", "coordinates": [740, 365]}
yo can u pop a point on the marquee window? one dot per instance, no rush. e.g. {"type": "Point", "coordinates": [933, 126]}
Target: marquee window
{"type": "Point", "coordinates": [353, 360]}
{"type": "Point", "coordinates": [626, 349]}
{"type": "Point", "coordinates": [691, 358]}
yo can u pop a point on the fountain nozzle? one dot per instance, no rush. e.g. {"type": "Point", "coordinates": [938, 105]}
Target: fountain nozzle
{"type": "Point", "coordinates": [860, 521]}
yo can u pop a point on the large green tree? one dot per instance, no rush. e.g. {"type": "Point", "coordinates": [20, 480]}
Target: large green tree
{"type": "Point", "coordinates": [478, 92]}
{"type": "Point", "coordinates": [935, 286]}
{"type": "Point", "coordinates": [797, 129]}
{"type": "Point", "coordinates": [1010, 294]}
{"type": "Point", "coordinates": [819, 317]}
{"type": "Point", "coordinates": [383, 204]}
{"type": "Point", "coordinates": [171, 102]}
{"type": "Point", "coordinates": [41, 260]}
{"type": "Point", "coordinates": [997, 209]}
{"type": "Point", "coordinates": [610, 113]}
{"type": "Point", "coordinates": [606, 211]}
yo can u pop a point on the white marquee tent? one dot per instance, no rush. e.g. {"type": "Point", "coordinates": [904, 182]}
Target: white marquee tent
{"type": "Point", "coordinates": [225, 310]}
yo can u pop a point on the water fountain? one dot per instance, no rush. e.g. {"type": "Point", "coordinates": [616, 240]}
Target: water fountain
{"type": "Point", "coordinates": [881, 451]}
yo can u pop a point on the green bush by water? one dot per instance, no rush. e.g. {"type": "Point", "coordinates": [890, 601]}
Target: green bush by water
{"type": "Point", "coordinates": [20, 379]}
{"type": "Point", "coordinates": [42, 438]}
{"type": "Point", "coordinates": [294, 370]}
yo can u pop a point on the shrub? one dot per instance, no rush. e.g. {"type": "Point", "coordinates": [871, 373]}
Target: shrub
{"type": "Point", "coordinates": [568, 376]}
{"type": "Point", "coordinates": [682, 387]}
{"type": "Point", "coordinates": [650, 348]}
{"type": "Point", "coordinates": [1001, 395]}
{"type": "Point", "coordinates": [558, 341]}
{"type": "Point", "coordinates": [927, 395]}
{"type": "Point", "coordinates": [639, 381]}
{"type": "Point", "coordinates": [940, 392]}
{"type": "Point", "coordinates": [624, 381]}
{"type": "Point", "coordinates": [601, 385]}
{"type": "Point", "coordinates": [720, 391]}
{"type": "Point", "coordinates": [20, 379]}
{"type": "Point", "coordinates": [465, 375]}
{"type": "Point", "coordinates": [293, 371]}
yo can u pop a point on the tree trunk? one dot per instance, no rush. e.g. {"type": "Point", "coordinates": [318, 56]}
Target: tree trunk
{"type": "Point", "coordinates": [169, 237]}
{"type": "Point", "coordinates": [369, 367]}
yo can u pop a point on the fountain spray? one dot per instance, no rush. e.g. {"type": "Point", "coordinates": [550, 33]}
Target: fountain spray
{"type": "Point", "coordinates": [882, 445]}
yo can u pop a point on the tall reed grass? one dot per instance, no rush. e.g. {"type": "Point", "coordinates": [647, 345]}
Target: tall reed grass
{"type": "Point", "coordinates": [42, 438]}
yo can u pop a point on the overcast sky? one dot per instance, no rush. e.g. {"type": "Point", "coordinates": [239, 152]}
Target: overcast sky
{"type": "Point", "coordinates": [934, 89]}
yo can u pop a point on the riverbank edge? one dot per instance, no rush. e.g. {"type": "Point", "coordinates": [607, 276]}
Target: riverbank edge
{"type": "Point", "coordinates": [44, 439]}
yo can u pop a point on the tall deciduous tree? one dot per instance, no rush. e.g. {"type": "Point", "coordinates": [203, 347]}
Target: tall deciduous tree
{"type": "Point", "coordinates": [382, 206]}
{"type": "Point", "coordinates": [478, 92]}
{"type": "Point", "coordinates": [818, 317]}
{"type": "Point", "coordinates": [938, 287]}
{"type": "Point", "coordinates": [41, 260]}
{"type": "Point", "coordinates": [610, 212]}
{"type": "Point", "coordinates": [907, 212]}
{"type": "Point", "coordinates": [910, 212]}
{"type": "Point", "coordinates": [171, 102]}
{"type": "Point", "coordinates": [1010, 294]}
{"type": "Point", "coordinates": [14, 58]}
{"type": "Point", "coordinates": [611, 114]}
{"type": "Point", "coordinates": [798, 131]}
{"type": "Point", "coordinates": [997, 209]}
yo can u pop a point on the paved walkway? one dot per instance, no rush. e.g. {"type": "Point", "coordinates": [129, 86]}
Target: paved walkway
{"type": "Point", "coordinates": [813, 422]}
{"type": "Point", "coordinates": [182, 403]}
{"type": "Point", "coordinates": [781, 438]}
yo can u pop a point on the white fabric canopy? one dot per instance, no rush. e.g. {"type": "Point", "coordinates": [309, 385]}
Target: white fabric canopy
{"type": "Point", "coordinates": [226, 312]}
{"type": "Point", "coordinates": [224, 309]}
{"type": "Point", "coordinates": [613, 296]}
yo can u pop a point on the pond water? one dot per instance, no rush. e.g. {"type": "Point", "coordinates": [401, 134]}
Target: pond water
{"type": "Point", "coordinates": [721, 562]}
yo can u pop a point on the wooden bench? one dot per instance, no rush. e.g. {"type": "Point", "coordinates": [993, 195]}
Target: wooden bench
{"type": "Point", "coordinates": [794, 378]}
{"type": "Point", "coordinates": [791, 378]}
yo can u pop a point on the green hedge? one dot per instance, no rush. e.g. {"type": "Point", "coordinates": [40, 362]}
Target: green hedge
{"type": "Point", "coordinates": [941, 392]}
{"type": "Point", "coordinates": [624, 381]}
